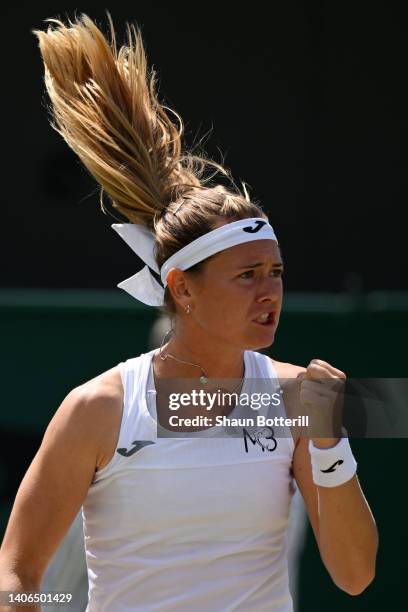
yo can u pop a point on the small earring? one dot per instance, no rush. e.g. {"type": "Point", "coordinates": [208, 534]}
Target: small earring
{"type": "Point", "coordinates": [188, 309]}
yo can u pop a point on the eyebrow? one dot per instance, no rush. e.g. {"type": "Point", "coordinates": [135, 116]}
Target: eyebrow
{"type": "Point", "coordinates": [256, 265]}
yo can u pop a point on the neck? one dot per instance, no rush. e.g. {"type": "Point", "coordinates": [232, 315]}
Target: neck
{"type": "Point", "coordinates": [216, 358]}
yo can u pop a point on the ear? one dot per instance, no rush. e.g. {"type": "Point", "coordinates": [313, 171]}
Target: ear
{"type": "Point", "coordinates": [178, 285]}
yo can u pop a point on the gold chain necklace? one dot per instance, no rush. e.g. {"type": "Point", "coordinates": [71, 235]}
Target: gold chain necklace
{"type": "Point", "coordinates": [204, 376]}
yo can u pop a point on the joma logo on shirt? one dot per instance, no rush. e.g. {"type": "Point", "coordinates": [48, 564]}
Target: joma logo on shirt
{"type": "Point", "coordinates": [137, 445]}
{"type": "Point", "coordinates": [264, 437]}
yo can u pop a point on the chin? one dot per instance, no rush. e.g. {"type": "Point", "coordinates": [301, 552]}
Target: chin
{"type": "Point", "coordinates": [259, 343]}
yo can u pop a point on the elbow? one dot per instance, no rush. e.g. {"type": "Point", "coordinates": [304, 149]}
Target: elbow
{"type": "Point", "coordinates": [358, 584]}
{"type": "Point", "coordinates": [13, 578]}
{"type": "Point", "coordinates": [358, 573]}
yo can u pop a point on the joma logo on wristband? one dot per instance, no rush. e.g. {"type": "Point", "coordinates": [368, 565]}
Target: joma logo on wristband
{"type": "Point", "coordinates": [332, 468]}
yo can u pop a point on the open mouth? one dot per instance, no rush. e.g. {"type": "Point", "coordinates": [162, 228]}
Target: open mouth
{"type": "Point", "coordinates": [266, 319]}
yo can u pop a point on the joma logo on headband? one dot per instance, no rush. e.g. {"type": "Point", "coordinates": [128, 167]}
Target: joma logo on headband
{"type": "Point", "coordinates": [252, 230]}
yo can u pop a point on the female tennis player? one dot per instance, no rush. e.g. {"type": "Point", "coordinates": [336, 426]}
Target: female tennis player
{"type": "Point", "coordinates": [187, 519]}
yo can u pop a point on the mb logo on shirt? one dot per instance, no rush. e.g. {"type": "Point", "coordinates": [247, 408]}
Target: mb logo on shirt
{"type": "Point", "coordinates": [264, 438]}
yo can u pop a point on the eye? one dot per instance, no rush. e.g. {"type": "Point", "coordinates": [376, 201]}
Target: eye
{"type": "Point", "coordinates": [277, 273]}
{"type": "Point", "coordinates": [250, 273]}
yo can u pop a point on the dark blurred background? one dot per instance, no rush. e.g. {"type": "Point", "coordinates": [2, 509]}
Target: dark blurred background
{"type": "Point", "coordinates": [307, 102]}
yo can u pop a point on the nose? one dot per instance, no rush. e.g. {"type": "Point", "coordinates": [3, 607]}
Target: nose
{"type": "Point", "coordinates": [270, 290]}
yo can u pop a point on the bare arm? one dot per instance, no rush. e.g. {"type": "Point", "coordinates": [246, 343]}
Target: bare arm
{"type": "Point", "coordinates": [54, 487]}
{"type": "Point", "coordinates": [340, 517]}
{"type": "Point", "coordinates": [343, 525]}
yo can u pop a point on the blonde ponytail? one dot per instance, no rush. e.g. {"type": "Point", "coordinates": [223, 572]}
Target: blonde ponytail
{"type": "Point", "coordinates": [104, 104]}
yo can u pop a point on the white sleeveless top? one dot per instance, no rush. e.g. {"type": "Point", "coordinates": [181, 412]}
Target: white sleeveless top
{"type": "Point", "coordinates": [192, 523]}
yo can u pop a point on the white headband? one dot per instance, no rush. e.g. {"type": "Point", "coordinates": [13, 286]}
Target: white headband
{"type": "Point", "coordinates": [145, 288]}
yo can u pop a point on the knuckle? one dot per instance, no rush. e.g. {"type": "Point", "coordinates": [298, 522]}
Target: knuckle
{"type": "Point", "coordinates": [317, 362]}
{"type": "Point", "coordinates": [313, 369]}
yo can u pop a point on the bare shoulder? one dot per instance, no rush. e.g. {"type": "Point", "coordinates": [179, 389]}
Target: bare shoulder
{"type": "Point", "coordinates": [92, 410]}
{"type": "Point", "coordinates": [98, 397]}
{"type": "Point", "coordinates": [287, 374]}
{"type": "Point", "coordinates": [101, 400]}
{"type": "Point", "coordinates": [286, 370]}
{"type": "Point", "coordinates": [105, 386]}
{"type": "Point", "coordinates": [77, 440]}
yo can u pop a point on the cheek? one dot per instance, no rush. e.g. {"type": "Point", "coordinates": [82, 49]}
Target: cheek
{"type": "Point", "coordinates": [223, 306]}
{"type": "Point", "coordinates": [280, 293]}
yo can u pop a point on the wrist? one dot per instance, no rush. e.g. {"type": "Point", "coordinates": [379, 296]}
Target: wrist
{"type": "Point", "coordinates": [325, 442]}
{"type": "Point", "coordinates": [332, 465]}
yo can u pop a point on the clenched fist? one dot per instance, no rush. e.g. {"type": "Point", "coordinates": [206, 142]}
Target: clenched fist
{"type": "Point", "coordinates": [321, 396]}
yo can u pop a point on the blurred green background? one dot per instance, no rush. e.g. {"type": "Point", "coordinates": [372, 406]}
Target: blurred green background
{"type": "Point", "coordinates": [52, 341]}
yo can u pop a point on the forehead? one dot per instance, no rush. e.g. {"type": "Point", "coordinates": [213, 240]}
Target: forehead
{"type": "Point", "coordinates": [249, 253]}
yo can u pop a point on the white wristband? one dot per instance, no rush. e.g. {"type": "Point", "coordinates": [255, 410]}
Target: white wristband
{"type": "Point", "coordinates": [333, 466]}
